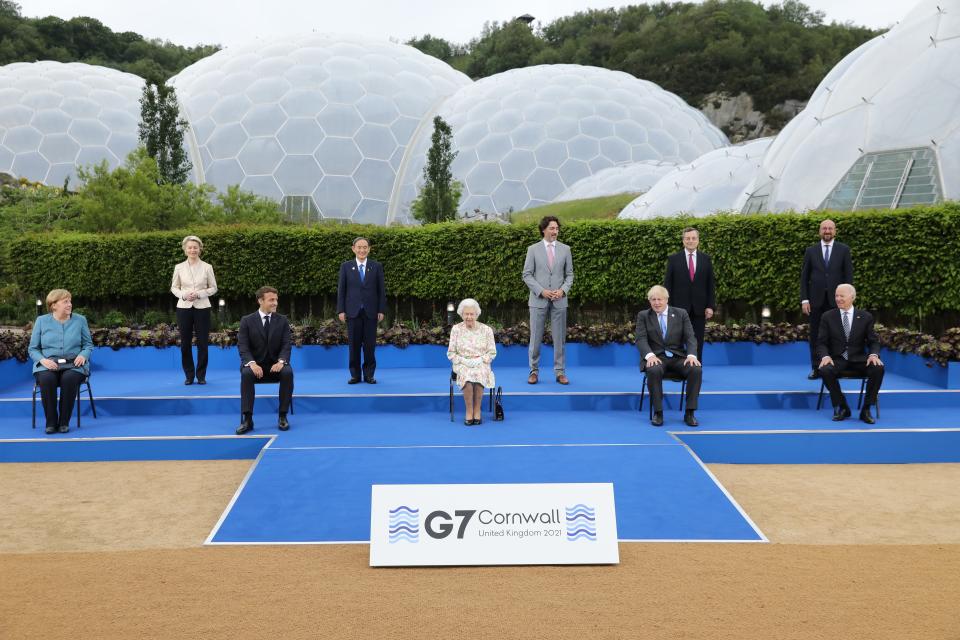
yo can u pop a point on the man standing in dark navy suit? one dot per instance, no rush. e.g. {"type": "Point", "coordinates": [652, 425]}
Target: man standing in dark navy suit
{"type": "Point", "coordinates": [825, 265]}
{"type": "Point", "coordinates": [361, 299]}
{"type": "Point", "coordinates": [264, 342]}
{"type": "Point", "coordinates": [689, 280]}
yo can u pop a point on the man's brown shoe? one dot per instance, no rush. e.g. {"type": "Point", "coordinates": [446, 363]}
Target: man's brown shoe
{"type": "Point", "coordinates": [533, 378]}
{"type": "Point", "coordinates": [562, 379]}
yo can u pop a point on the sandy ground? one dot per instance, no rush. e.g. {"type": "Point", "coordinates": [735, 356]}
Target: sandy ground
{"type": "Point", "coordinates": [113, 550]}
{"type": "Point", "coordinates": [849, 503]}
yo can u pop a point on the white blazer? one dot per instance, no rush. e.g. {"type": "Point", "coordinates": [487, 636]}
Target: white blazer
{"type": "Point", "coordinates": [199, 279]}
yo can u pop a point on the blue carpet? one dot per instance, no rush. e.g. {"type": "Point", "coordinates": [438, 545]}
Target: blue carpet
{"type": "Point", "coordinates": [323, 495]}
{"type": "Point", "coordinates": [312, 484]}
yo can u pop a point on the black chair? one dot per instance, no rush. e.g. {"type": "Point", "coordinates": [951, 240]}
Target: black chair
{"type": "Point", "coordinates": [86, 381]}
{"type": "Point", "coordinates": [666, 376]}
{"type": "Point", "coordinates": [848, 376]}
{"type": "Point", "coordinates": [453, 381]}
{"type": "Point", "coordinates": [278, 384]}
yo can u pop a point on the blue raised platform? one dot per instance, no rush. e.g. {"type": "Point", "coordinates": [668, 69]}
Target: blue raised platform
{"type": "Point", "coordinates": [312, 484]}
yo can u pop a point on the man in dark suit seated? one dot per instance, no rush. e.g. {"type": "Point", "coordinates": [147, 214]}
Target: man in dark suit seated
{"type": "Point", "coordinates": [825, 265]}
{"type": "Point", "coordinates": [667, 345]}
{"type": "Point", "coordinates": [848, 344]}
{"type": "Point", "coordinates": [689, 279]}
{"type": "Point", "coordinates": [361, 299]}
{"type": "Point", "coordinates": [264, 343]}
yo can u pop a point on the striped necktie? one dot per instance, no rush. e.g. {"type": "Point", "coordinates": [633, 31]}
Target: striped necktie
{"type": "Point", "coordinates": [846, 333]}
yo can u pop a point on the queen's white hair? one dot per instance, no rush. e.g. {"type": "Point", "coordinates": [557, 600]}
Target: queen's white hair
{"type": "Point", "coordinates": [467, 303]}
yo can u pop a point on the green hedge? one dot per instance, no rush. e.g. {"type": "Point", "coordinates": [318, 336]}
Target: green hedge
{"type": "Point", "coordinates": [907, 261]}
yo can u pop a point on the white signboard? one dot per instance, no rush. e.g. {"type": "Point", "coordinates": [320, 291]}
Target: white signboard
{"type": "Point", "coordinates": [492, 524]}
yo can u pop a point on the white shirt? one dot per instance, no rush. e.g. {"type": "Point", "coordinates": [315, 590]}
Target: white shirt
{"type": "Point", "coordinates": [551, 244]}
{"type": "Point", "coordinates": [823, 248]}
{"type": "Point", "coordinates": [362, 265]}
{"type": "Point", "coordinates": [849, 317]}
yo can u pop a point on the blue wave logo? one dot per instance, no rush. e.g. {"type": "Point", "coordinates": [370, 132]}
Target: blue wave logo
{"type": "Point", "coordinates": [581, 523]}
{"type": "Point", "coordinates": [404, 525]}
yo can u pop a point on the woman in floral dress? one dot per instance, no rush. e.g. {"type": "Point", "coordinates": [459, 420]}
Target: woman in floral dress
{"type": "Point", "coordinates": [471, 351]}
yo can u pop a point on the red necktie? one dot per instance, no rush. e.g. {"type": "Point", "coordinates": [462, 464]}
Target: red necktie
{"type": "Point", "coordinates": [690, 265]}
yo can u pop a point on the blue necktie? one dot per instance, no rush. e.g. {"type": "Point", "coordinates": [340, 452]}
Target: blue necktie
{"type": "Point", "coordinates": [663, 330]}
{"type": "Point", "coordinates": [361, 273]}
{"type": "Point", "coordinates": [826, 255]}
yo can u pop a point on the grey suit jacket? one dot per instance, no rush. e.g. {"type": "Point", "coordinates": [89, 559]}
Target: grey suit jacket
{"type": "Point", "coordinates": [537, 276]}
{"type": "Point", "coordinates": [680, 341]}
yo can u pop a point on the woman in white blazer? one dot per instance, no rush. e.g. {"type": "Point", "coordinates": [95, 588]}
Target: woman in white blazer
{"type": "Point", "coordinates": [193, 284]}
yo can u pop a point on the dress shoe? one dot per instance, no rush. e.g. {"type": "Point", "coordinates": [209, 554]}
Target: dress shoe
{"type": "Point", "coordinates": [813, 375]}
{"type": "Point", "coordinates": [353, 380]}
{"type": "Point", "coordinates": [478, 421]}
{"type": "Point", "coordinates": [865, 415]}
{"type": "Point", "coordinates": [690, 419]}
{"type": "Point", "coordinates": [188, 381]}
{"type": "Point", "coordinates": [201, 381]}
{"type": "Point", "coordinates": [282, 423]}
{"type": "Point", "coordinates": [468, 422]}
{"type": "Point", "coordinates": [65, 428]}
{"type": "Point", "coordinates": [657, 419]}
{"type": "Point", "coordinates": [371, 380]}
{"type": "Point", "coordinates": [51, 428]}
{"type": "Point", "coordinates": [245, 425]}
{"type": "Point", "coordinates": [532, 379]}
{"type": "Point", "coordinates": [841, 413]}
{"type": "Point", "coordinates": [562, 379]}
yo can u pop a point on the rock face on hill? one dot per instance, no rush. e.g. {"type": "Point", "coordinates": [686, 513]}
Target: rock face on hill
{"type": "Point", "coordinates": [736, 116]}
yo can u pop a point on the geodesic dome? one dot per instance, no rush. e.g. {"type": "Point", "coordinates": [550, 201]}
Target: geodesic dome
{"type": "Point", "coordinates": [55, 116]}
{"type": "Point", "coordinates": [713, 182]}
{"type": "Point", "coordinates": [638, 177]}
{"type": "Point", "coordinates": [526, 135]}
{"type": "Point", "coordinates": [881, 130]}
{"type": "Point", "coordinates": [318, 122]}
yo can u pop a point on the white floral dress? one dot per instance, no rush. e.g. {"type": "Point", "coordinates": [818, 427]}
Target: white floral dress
{"type": "Point", "coordinates": [471, 351]}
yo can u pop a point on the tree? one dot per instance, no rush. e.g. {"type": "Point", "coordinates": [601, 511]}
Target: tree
{"type": "Point", "coordinates": [436, 47]}
{"type": "Point", "coordinates": [440, 195]}
{"type": "Point", "coordinates": [161, 132]}
{"type": "Point", "coordinates": [134, 198]}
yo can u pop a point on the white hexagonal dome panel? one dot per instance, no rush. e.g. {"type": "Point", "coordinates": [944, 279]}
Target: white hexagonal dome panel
{"type": "Point", "coordinates": [323, 120]}
{"type": "Point", "coordinates": [55, 116]}
{"type": "Point", "coordinates": [574, 120]}
{"type": "Point", "coordinates": [881, 130]}
{"type": "Point", "coordinates": [712, 183]}
{"type": "Point", "coordinates": [637, 177]}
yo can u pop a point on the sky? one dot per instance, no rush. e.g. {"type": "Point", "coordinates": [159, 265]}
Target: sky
{"type": "Point", "coordinates": [192, 22]}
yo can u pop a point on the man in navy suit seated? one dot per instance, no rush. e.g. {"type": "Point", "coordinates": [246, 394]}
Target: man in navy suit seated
{"type": "Point", "coordinates": [848, 343]}
{"type": "Point", "coordinates": [361, 300]}
{"type": "Point", "coordinates": [264, 342]}
{"type": "Point", "coordinates": [667, 344]}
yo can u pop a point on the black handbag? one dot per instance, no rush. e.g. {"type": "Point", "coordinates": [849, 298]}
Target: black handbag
{"type": "Point", "coordinates": [498, 405]}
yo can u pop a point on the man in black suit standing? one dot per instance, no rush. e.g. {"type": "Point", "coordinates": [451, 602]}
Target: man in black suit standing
{"type": "Point", "coordinates": [264, 342]}
{"type": "Point", "coordinates": [361, 299]}
{"type": "Point", "coordinates": [825, 265]}
{"type": "Point", "coordinates": [691, 285]}
{"type": "Point", "coordinates": [667, 344]}
{"type": "Point", "coordinates": [848, 343]}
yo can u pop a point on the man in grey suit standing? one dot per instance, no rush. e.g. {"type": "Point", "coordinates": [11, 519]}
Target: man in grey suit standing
{"type": "Point", "coordinates": [667, 344]}
{"type": "Point", "coordinates": [548, 273]}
